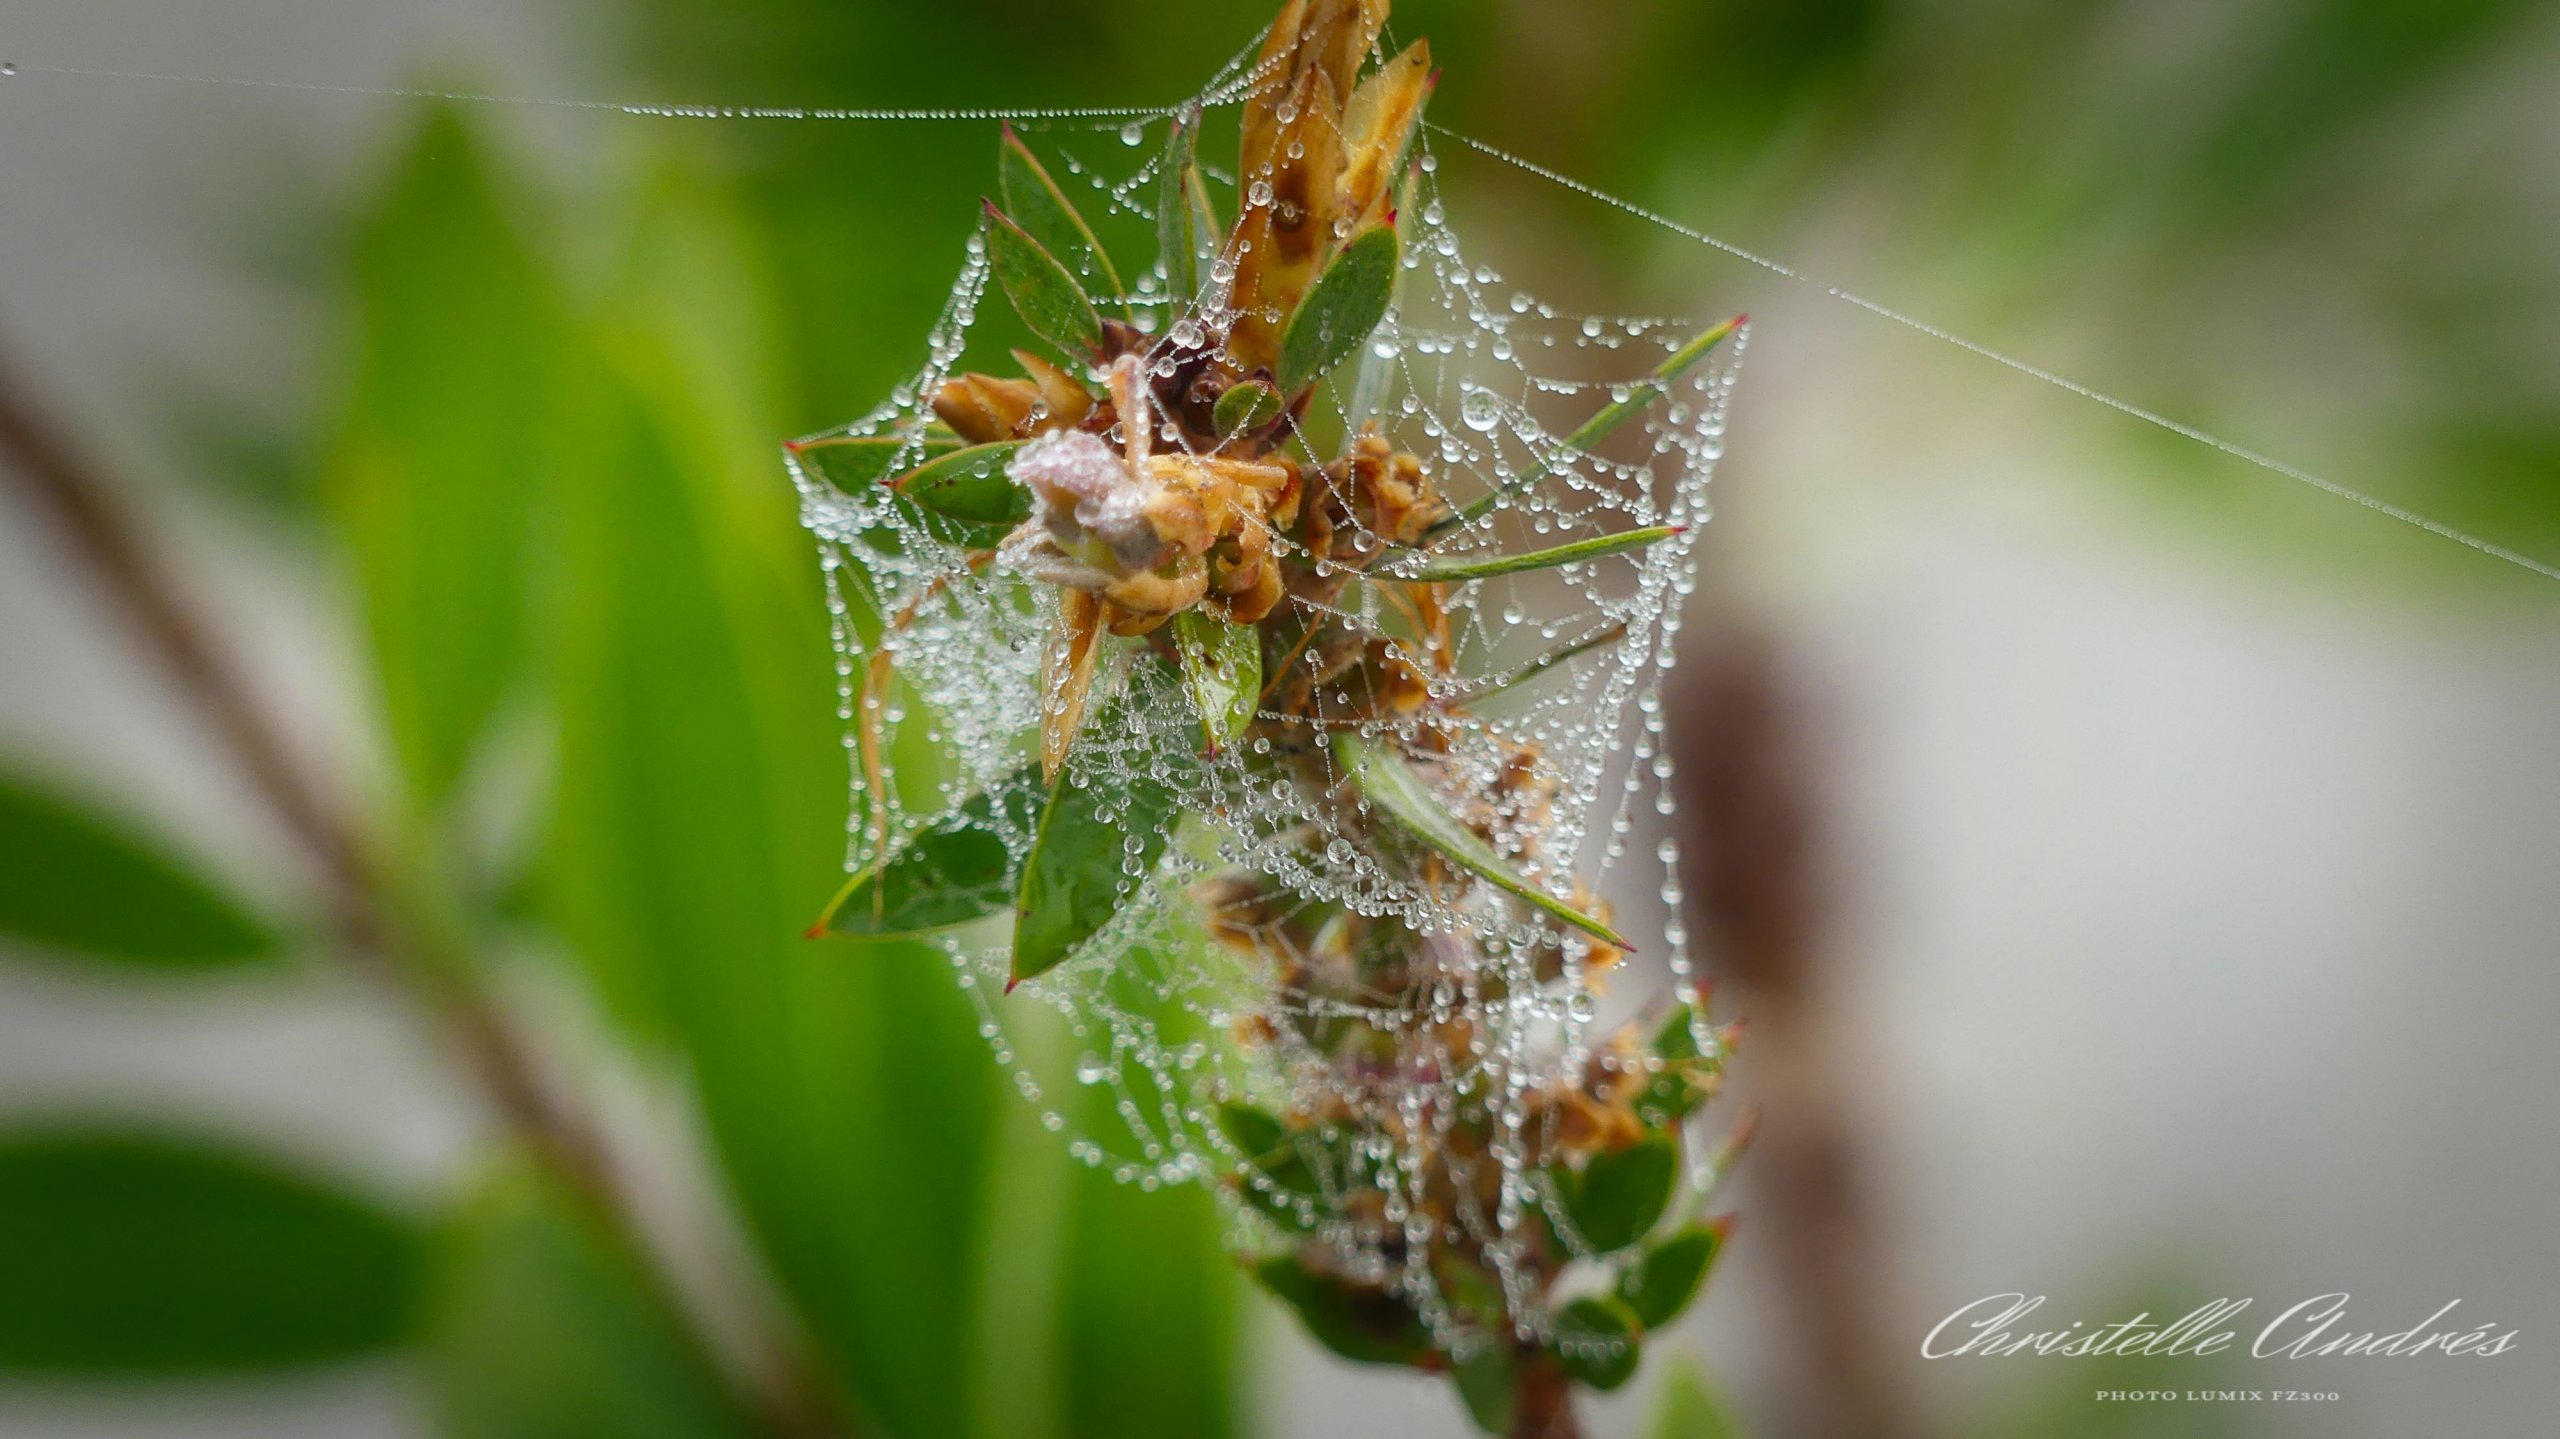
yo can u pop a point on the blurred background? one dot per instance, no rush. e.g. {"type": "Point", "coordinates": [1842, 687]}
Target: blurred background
{"type": "Point", "coordinates": [418, 752]}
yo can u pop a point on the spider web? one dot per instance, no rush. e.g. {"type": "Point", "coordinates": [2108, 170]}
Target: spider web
{"type": "Point", "coordinates": [1131, 1044]}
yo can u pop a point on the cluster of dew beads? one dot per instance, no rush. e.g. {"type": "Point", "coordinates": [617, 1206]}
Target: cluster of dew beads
{"type": "Point", "coordinates": [1239, 973]}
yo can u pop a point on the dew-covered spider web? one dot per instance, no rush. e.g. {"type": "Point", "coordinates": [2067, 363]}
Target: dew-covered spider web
{"type": "Point", "coordinates": [1543, 730]}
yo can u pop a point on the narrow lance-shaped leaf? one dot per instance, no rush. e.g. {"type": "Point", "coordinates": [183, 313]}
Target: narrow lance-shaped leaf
{"type": "Point", "coordinates": [955, 870]}
{"type": "Point", "coordinates": [1549, 662]}
{"type": "Point", "coordinates": [1033, 198]}
{"type": "Point", "coordinates": [1600, 426]}
{"type": "Point", "coordinates": [1043, 290]}
{"type": "Point", "coordinates": [970, 487]}
{"type": "Point", "coordinates": [1344, 306]}
{"type": "Point", "coordinates": [1669, 1274]}
{"type": "Point", "coordinates": [1078, 873]}
{"type": "Point", "coordinates": [1383, 777]}
{"type": "Point", "coordinates": [72, 881]}
{"type": "Point", "coordinates": [854, 463]}
{"type": "Point", "coordinates": [1222, 668]}
{"type": "Point", "coordinates": [1452, 570]}
{"type": "Point", "coordinates": [1179, 234]}
{"type": "Point", "coordinates": [134, 1254]}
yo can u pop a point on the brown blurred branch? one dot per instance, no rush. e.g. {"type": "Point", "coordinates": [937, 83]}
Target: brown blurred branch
{"type": "Point", "coordinates": [1753, 850]}
{"type": "Point", "coordinates": [389, 947]}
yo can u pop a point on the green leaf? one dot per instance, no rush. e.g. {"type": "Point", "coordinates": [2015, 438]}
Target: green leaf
{"type": "Point", "coordinates": [1246, 406]}
{"type": "Point", "coordinates": [1674, 1092]}
{"type": "Point", "coordinates": [1549, 662]}
{"type": "Point", "coordinates": [1488, 1385]}
{"type": "Point", "coordinates": [970, 487]}
{"type": "Point", "coordinates": [854, 463]}
{"type": "Point", "coordinates": [1252, 1131]}
{"type": "Point", "coordinates": [1457, 570]}
{"type": "Point", "coordinates": [1597, 1341]}
{"type": "Point", "coordinates": [1345, 304]}
{"type": "Point", "coordinates": [1668, 1274]}
{"type": "Point", "coordinates": [1600, 426]}
{"type": "Point", "coordinates": [1075, 880]}
{"type": "Point", "coordinates": [1622, 1193]}
{"type": "Point", "coordinates": [539, 1328]}
{"type": "Point", "coordinates": [1687, 1407]}
{"type": "Point", "coordinates": [1048, 216]}
{"type": "Point", "coordinates": [122, 1253]}
{"type": "Point", "coordinates": [73, 881]}
{"type": "Point", "coordinates": [1043, 291]}
{"type": "Point", "coordinates": [1367, 1325]}
{"type": "Point", "coordinates": [1222, 668]}
{"type": "Point", "coordinates": [958, 869]}
{"type": "Point", "coordinates": [1181, 239]}
{"type": "Point", "coordinates": [432, 470]}
{"type": "Point", "coordinates": [1387, 781]}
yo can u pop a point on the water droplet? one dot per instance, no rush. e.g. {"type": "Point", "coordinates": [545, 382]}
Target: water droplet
{"type": "Point", "coordinates": [1480, 410]}
{"type": "Point", "coordinates": [1132, 133]}
{"type": "Point", "coordinates": [9, 67]}
{"type": "Point", "coordinates": [1092, 1069]}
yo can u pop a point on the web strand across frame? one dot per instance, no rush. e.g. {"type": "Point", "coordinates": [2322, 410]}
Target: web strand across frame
{"type": "Point", "coordinates": [1142, 115]}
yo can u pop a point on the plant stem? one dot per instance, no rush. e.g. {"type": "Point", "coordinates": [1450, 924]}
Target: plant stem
{"type": "Point", "coordinates": [1542, 1401]}
{"type": "Point", "coordinates": [381, 938]}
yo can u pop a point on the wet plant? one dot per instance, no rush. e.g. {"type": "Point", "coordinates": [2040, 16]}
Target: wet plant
{"type": "Point", "coordinates": [1196, 704]}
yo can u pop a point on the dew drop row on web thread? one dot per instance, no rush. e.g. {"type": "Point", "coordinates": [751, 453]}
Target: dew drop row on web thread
{"type": "Point", "coordinates": [1231, 85]}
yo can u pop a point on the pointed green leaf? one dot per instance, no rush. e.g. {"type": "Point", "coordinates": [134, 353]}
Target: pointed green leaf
{"type": "Point", "coordinates": [1246, 406]}
{"type": "Point", "coordinates": [1668, 1274]}
{"type": "Point", "coordinates": [1340, 310]}
{"type": "Point", "coordinates": [1222, 668]}
{"type": "Point", "coordinates": [1488, 1385]}
{"type": "Point", "coordinates": [854, 463]}
{"type": "Point", "coordinates": [1623, 1192]}
{"type": "Point", "coordinates": [1383, 777]}
{"type": "Point", "coordinates": [73, 881]}
{"type": "Point", "coordinates": [1675, 1091]}
{"type": "Point", "coordinates": [1600, 426]}
{"type": "Point", "coordinates": [958, 869]}
{"type": "Point", "coordinates": [541, 1329]}
{"type": "Point", "coordinates": [1552, 660]}
{"type": "Point", "coordinates": [970, 487]}
{"type": "Point", "coordinates": [1597, 1339]}
{"type": "Point", "coordinates": [1689, 1408]}
{"type": "Point", "coordinates": [1367, 1325]}
{"type": "Point", "coordinates": [1252, 1131]}
{"type": "Point", "coordinates": [128, 1254]}
{"type": "Point", "coordinates": [1181, 240]}
{"type": "Point", "coordinates": [1459, 569]}
{"type": "Point", "coordinates": [1033, 198]}
{"type": "Point", "coordinates": [1076, 877]}
{"type": "Point", "coordinates": [1044, 291]}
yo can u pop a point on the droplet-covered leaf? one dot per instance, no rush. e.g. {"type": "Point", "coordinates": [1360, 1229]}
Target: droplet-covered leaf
{"type": "Point", "coordinates": [1385, 780]}
{"type": "Point", "coordinates": [958, 869]}
{"type": "Point", "coordinates": [73, 881]}
{"type": "Point", "coordinates": [1043, 290]}
{"type": "Point", "coordinates": [1598, 1341]}
{"type": "Point", "coordinates": [1246, 407]}
{"type": "Point", "coordinates": [1367, 1325]}
{"type": "Point", "coordinates": [1344, 306]}
{"type": "Point", "coordinates": [1079, 873]}
{"type": "Point", "coordinates": [1622, 1193]}
{"type": "Point", "coordinates": [969, 487]}
{"type": "Point", "coordinates": [1222, 670]}
{"type": "Point", "coordinates": [1459, 569]}
{"type": "Point", "coordinates": [1668, 1274]}
{"type": "Point", "coordinates": [130, 1254]}
{"type": "Point", "coordinates": [1034, 200]}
